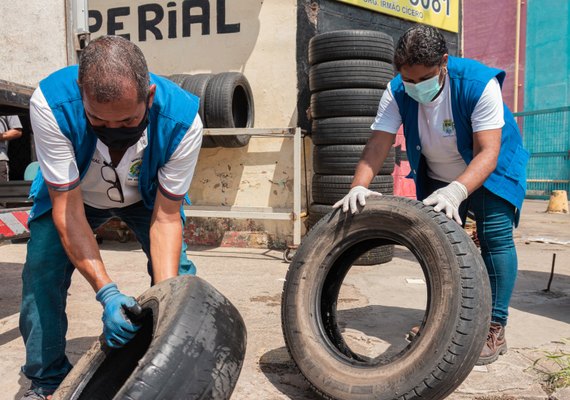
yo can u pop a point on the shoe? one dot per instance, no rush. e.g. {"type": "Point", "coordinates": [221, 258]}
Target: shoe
{"type": "Point", "coordinates": [32, 395]}
{"type": "Point", "coordinates": [495, 345]}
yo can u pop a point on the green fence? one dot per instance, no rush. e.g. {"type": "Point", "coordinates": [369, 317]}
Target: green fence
{"type": "Point", "coordinates": [546, 135]}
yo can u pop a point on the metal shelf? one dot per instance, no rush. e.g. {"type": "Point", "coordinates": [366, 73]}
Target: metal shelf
{"type": "Point", "coordinates": [269, 213]}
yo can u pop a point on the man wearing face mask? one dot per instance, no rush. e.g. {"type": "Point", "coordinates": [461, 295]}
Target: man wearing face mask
{"type": "Point", "coordinates": [465, 152]}
{"type": "Point", "coordinates": [112, 141]}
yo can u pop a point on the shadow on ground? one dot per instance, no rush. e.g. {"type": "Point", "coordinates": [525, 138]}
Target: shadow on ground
{"type": "Point", "coordinates": [390, 328]}
{"type": "Point", "coordinates": [10, 288]}
{"type": "Point", "coordinates": [530, 295]}
{"type": "Point", "coordinates": [78, 347]}
{"type": "Point", "coordinates": [284, 375]}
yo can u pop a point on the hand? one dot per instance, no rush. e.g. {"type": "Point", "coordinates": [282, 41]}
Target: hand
{"type": "Point", "coordinates": [448, 199]}
{"type": "Point", "coordinates": [117, 328]}
{"type": "Point", "coordinates": [359, 193]}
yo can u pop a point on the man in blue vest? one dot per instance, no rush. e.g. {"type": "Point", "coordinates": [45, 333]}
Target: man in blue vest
{"type": "Point", "coordinates": [112, 141]}
{"type": "Point", "coordinates": [465, 152]}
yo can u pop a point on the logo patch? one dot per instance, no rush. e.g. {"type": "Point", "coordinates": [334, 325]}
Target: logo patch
{"type": "Point", "coordinates": [448, 128]}
{"type": "Point", "coordinates": [134, 172]}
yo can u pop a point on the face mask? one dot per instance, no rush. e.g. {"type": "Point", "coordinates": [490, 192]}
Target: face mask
{"type": "Point", "coordinates": [425, 91]}
{"type": "Point", "coordinates": [120, 138]}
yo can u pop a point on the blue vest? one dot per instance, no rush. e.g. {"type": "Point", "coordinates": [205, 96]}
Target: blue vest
{"type": "Point", "coordinates": [172, 113]}
{"type": "Point", "coordinates": [468, 79]}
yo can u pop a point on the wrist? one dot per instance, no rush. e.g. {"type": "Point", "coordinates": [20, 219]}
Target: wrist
{"type": "Point", "coordinates": [358, 187]}
{"type": "Point", "coordinates": [462, 189]}
{"type": "Point", "coordinates": [107, 292]}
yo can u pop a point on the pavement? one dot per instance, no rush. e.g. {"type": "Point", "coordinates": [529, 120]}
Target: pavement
{"type": "Point", "coordinates": [252, 279]}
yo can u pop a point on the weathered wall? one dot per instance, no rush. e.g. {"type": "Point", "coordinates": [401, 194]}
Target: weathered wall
{"type": "Point", "coordinates": [255, 37]}
{"type": "Point", "coordinates": [490, 37]}
{"type": "Point", "coordinates": [32, 39]}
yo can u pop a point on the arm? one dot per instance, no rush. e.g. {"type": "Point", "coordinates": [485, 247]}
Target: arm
{"type": "Point", "coordinates": [486, 147]}
{"type": "Point", "coordinates": [77, 237]}
{"type": "Point", "coordinates": [384, 128]}
{"type": "Point", "coordinates": [165, 237]}
{"type": "Point", "coordinates": [373, 156]}
{"type": "Point", "coordinates": [11, 134]}
{"type": "Point", "coordinates": [59, 168]}
{"type": "Point", "coordinates": [166, 224]}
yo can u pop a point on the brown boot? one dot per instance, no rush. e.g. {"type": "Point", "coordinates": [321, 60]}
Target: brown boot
{"type": "Point", "coordinates": [495, 345]}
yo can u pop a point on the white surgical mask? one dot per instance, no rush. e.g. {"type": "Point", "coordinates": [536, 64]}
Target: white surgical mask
{"type": "Point", "coordinates": [425, 91]}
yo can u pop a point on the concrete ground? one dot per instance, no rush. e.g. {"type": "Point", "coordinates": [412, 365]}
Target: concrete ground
{"type": "Point", "coordinates": [252, 279]}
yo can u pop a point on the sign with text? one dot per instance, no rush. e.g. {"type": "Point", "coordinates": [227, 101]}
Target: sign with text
{"type": "Point", "coordinates": [442, 14]}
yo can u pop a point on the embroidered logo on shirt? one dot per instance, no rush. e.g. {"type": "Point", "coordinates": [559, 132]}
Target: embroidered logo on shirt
{"type": "Point", "coordinates": [134, 172]}
{"type": "Point", "coordinates": [448, 128]}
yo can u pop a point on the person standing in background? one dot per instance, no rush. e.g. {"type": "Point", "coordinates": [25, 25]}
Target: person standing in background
{"type": "Point", "coordinates": [10, 129]}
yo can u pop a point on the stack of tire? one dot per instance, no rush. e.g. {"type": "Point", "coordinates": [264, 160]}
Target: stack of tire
{"type": "Point", "coordinates": [226, 101]}
{"type": "Point", "coordinates": [349, 71]}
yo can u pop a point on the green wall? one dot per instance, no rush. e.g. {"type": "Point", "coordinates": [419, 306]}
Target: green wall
{"type": "Point", "coordinates": [547, 78]}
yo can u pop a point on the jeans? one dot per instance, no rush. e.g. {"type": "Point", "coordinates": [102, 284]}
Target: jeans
{"type": "Point", "coordinates": [46, 278]}
{"type": "Point", "coordinates": [494, 218]}
{"type": "Point", "coordinates": [4, 171]}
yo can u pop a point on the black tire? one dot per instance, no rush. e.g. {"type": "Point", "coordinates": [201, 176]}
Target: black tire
{"type": "Point", "coordinates": [342, 160]}
{"type": "Point", "coordinates": [343, 130]}
{"type": "Point", "coordinates": [197, 84]}
{"type": "Point", "coordinates": [191, 346]}
{"type": "Point", "coordinates": [345, 103]}
{"type": "Point", "coordinates": [344, 74]}
{"type": "Point", "coordinates": [178, 78]}
{"type": "Point", "coordinates": [377, 255]}
{"type": "Point", "coordinates": [229, 104]}
{"type": "Point", "coordinates": [328, 189]}
{"type": "Point", "coordinates": [457, 315]}
{"type": "Point", "coordinates": [351, 44]}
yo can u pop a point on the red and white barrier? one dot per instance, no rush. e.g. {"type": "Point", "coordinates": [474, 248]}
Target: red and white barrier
{"type": "Point", "coordinates": [14, 223]}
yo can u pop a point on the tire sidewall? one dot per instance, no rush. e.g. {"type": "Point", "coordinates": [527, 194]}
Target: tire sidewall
{"type": "Point", "coordinates": [317, 358]}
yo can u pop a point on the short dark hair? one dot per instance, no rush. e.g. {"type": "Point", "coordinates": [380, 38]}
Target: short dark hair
{"type": "Point", "coordinates": [420, 45]}
{"type": "Point", "coordinates": [110, 63]}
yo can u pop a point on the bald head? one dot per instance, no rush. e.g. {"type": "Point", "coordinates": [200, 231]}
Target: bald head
{"type": "Point", "coordinates": [111, 66]}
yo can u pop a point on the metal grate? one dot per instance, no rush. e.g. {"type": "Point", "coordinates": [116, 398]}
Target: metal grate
{"type": "Point", "coordinates": [546, 135]}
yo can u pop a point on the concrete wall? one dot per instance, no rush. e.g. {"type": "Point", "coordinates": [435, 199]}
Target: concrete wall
{"type": "Point", "coordinates": [490, 37]}
{"type": "Point", "coordinates": [255, 37]}
{"type": "Point", "coordinates": [32, 39]}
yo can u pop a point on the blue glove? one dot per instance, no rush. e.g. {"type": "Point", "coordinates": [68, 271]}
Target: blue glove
{"type": "Point", "coordinates": [117, 328]}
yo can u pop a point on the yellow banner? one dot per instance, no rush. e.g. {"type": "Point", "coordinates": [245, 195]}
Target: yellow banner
{"type": "Point", "coordinates": [442, 14]}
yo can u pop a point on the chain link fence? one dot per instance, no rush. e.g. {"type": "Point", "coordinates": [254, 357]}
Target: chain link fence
{"type": "Point", "coordinates": [546, 135]}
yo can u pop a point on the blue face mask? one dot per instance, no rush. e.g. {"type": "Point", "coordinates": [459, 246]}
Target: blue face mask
{"type": "Point", "coordinates": [425, 91]}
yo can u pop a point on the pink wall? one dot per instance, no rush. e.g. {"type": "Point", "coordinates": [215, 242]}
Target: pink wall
{"type": "Point", "coordinates": [489, 28]}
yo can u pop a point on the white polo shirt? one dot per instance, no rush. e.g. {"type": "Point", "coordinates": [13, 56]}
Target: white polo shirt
{"type": "Point", "coordinates": [437, 128]}
{"type": "Point", "coordinates": [59, 167]}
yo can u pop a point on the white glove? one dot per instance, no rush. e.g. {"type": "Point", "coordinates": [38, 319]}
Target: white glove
{"type": "Point", "coordinates": [359, 193]}
{"type": "Point", "coordinates": [448, 199]}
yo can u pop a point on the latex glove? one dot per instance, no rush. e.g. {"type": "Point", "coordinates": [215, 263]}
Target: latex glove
{"type": "Point", "coordinates": [447, 200]}
{"type": "Point", "coordinates": [117, 328]}
{"type": "Point", "coordinates": [357, 193]}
